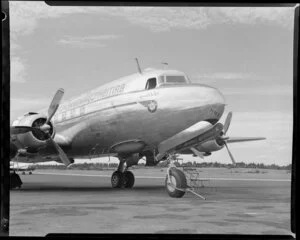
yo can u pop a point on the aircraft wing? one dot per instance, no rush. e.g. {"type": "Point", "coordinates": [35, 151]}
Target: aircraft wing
{"type": "Point", "coordinates": [190, 137]}
{"type": "Point", "coordinates": [202, 141]}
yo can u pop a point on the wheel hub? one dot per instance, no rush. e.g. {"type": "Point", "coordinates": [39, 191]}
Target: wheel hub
{"type": "Point", "coordinates": [115, 179]}
{"type": "Point", "coordinates": [172, 188]}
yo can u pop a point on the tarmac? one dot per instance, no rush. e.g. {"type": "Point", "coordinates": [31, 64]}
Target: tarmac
{"type": "Point", "coordinates": [238, 201]}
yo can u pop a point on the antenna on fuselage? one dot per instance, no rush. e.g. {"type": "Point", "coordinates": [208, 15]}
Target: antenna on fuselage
{"type": "Point", "coordinates": [138, 66]}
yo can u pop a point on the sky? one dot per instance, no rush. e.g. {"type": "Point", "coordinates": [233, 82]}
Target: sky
{"type": "Point", "coordinates": [246, 52]}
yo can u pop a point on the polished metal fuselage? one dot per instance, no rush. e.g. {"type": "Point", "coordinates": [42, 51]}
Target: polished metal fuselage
{"type": "Point", "coordinates": [128, 116]}
{"type": "Point", "coordinates": [123, 110]}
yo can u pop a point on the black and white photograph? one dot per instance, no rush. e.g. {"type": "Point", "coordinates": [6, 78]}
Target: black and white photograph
{"type": "Point", "coordinates": [150, 119]}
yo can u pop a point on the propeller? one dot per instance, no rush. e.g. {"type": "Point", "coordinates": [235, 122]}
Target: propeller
{"type": "Point", "coordinates": [227, 122]}
{"type": "Point", "coordinates": [54, 105]}
{"type": "Point", "coordinates": [51, 111]}
{"type": "Point", "coordinates": [230, 154]}
{"type": "Point", "coordinates": [63, 157]}
{"type": "Point", "coordinates": [45, 128]}
{"type": "Point", "coordinates": [224, 138]}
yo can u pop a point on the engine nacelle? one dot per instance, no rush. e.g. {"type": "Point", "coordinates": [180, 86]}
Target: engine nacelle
{"type": "Point", "coordinates": [32, 139]}
{"type": "Point", "coordinates": [210, 146]}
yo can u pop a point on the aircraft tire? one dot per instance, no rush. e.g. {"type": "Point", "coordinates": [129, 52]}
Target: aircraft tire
{"type": "Point", "coordinates": [128, 179]}
{"type": "Point", "coordinates": [117, 179]}
{"type": "Point", "coordinates": [30, 173]}
{"type": "Point", "coordinates": [179, 180]}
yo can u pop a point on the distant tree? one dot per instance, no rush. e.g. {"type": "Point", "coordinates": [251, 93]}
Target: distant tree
{"type": "Point", "coordinates": [163, 164]}
{"type": "Point", "coordinates": [288, 167]}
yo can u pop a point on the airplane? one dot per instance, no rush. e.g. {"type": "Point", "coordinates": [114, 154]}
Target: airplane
{"type": "Point", "coordinates": [151, 114]}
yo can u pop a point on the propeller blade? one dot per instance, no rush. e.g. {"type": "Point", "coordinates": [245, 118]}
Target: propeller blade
{"type": "Point", "coordinates": [227, 122]}
{"type": "Point", "coordinates": [63, 157]}
{"type": "Point", "coordinates": [244, 139]}
{"type": "Point", "coordinates": [54, 104]}
{"type": "Point", "coordinates": [231, 156]}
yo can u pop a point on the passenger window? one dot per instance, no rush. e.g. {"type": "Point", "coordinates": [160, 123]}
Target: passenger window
{"type": "Point", "coordinates": [151, 83]}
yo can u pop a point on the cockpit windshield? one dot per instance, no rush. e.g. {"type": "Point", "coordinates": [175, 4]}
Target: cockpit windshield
{"type": "Point", "coordinates": [175, 79]}
{"type": "Point", "coordinates": [172, 79]}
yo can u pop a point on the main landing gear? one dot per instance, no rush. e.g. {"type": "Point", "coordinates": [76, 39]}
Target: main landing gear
{"type": "Point", "coordinates": [122, 178]}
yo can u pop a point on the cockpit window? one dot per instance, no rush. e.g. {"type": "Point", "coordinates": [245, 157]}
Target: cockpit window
{"type": "Point", "coordinates": [175, 79]}
{"type": "Point", "coordinates": [161, 79]}
{"type": "Point", "coordinates": [151, 83]}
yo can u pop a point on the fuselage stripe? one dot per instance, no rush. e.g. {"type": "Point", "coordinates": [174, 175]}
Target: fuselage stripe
{"type": "Point", "coordinates": [98, 110]}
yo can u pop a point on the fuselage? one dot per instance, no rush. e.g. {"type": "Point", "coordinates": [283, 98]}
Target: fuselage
{"type": "Point", "coordinates": [151, 106]}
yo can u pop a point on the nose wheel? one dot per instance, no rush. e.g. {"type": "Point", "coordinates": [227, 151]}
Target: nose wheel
{"type": "Point", "coordinates": [122, 179]}
{"type": "Point", "coordinates": [175, 180]}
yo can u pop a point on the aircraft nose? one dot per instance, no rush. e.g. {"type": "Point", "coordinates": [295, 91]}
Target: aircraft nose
{"type": "Point", "coordinates": [217, 104]}
{"type": "Point", "coordinates": [204, 95]}
{"type": "Point", "coordinates": [208, 100]}
{"type": "Point", "coordinates": [214, 96]}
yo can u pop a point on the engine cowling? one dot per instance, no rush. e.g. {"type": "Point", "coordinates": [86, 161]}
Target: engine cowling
{"type": "Point", "coordinates": [210, 146]}
{"type": "Point", "coordinates": [33, 139]}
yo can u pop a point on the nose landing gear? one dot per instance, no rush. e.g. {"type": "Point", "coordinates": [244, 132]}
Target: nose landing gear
{"type": "Point", "coordinates": [176, 183]}
{"type": "Point", "coordinates": [175, 180]}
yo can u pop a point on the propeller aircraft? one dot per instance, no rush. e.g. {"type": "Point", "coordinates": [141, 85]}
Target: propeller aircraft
{"type": "Point", "coordinates": [153, 114]}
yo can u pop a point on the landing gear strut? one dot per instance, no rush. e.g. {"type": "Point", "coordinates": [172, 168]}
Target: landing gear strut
{"type": "Point", "coordinates": [122, 178]}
